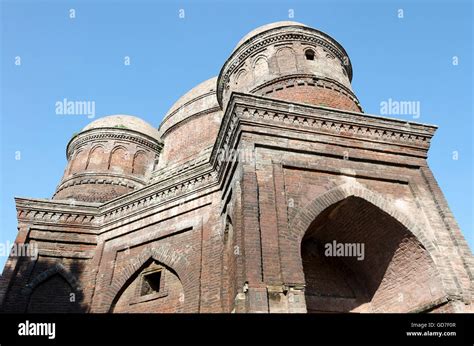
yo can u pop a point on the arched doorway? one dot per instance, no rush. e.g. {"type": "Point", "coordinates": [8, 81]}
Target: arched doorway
{"type": "Point", "coordinates": [358, 258]}
{"type": "Point", "coordinates": [54, 295]}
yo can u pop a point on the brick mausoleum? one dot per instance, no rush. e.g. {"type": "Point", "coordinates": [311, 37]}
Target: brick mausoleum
{"type": "Point", "coordinates": [228, 205]}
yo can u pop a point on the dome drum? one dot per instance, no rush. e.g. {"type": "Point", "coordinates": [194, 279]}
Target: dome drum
{"type": "Point", "coordinates": [111, 156]}
{"type": "Point", "coordinates": [191, 124]}
{"type": "Point", "coordinates": [287, 50]}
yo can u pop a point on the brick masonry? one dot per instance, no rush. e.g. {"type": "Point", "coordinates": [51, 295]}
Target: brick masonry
{"type": "Point", "coordinates": [234, 199]}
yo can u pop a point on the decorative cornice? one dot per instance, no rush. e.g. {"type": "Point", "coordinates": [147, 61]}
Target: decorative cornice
{"type": "Point", "coordinates": [68, 212]}
{"type": "Point", "coordinates": [301, 34]}
{"type": "Point", "coordinates": [71, 212]}
{"type": "Point", "coordinates": [198, 174]}
{"type": "Point", "coordinates": [113, 134]}
{"type": "Point", "coordinates": [159, 196]}
{"type": "Point", "coordinates": [319, 119]}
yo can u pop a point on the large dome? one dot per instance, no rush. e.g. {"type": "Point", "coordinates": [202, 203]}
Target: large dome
{"type": "Point", "coordinates": [126, 122]}
{"type": "Point", "coordinates": [267, 27]}
{"type": "Point", "coordinates": [289, 61]}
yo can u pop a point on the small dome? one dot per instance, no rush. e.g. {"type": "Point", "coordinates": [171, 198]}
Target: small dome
{"type": "Point", "coordinates": [112, 156]}
{"type": "Point", "coordinates": [191, 125]}
{"type": "Point", "coordinates": [199, 99]}
{"type": "Point", "coordinates": [267, 27]}
{"type": "Point", "coordinates": [202, 89]}
{"type": "Point", "coordinates": [125, 122]}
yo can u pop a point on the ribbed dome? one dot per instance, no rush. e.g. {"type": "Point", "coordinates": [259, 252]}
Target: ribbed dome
{"type": "Point", "coordinates": [267, 27]}
{"type": "Point", "coordinates": [125, 122]}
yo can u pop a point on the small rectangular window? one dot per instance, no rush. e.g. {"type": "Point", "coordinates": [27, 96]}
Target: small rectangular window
{"type": "Point", "coordinates": [151, 283]}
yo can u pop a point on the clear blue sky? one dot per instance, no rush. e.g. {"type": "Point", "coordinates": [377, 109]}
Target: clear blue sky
{"type": "Point", "coordinates": [83, 59]}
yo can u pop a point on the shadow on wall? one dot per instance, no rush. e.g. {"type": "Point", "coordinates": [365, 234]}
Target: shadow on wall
{"type": "Point", "coordinates": [358, 258]}
{"type": "Point", "coordinates": [42, 285]}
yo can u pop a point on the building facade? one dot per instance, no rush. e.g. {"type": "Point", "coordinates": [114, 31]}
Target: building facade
{"type": "Point", "coordinates": [265, 189]}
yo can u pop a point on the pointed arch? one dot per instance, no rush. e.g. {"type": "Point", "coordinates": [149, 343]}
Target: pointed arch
{"type": "Point", "coordinates": [54, 290]}
{"type": "Point", "coordinates": [286, 60]}
{"type": "Point", "coordinates": [58, 268]}
{"type": "Point", "coordinates": [96, 158]}
{"type": "Point", "coordinates": [306, 215]}
{"type": "Point", "coordinates": [311, 236]}
{"type": "Point", "coordinates": [77, 163]}
{"type": "Point", "coordinates": [139, 162]}
{"type": "Point", "coordinates": [292, 238]}
{"type": "Point", "coordinates": [260, 67]}
{"type": "Point", "coordinates": [165, 255]}
{"type": "Point", "coordinates": [303, 229]}
{"type": "Point", "coordinates": [119, 159]}
{"type": "Point", "coordinates": [242, 78]}
{"type": "Point", "coordinates": [154, 284]}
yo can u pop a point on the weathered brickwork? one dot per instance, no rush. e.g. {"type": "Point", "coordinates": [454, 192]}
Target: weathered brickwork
{"type": "Point", "coordinates": [169, 300]}
{"type": "Point", "coordinates": [387, 278]}
{"type": "Point", "coordinates": [232, 203]}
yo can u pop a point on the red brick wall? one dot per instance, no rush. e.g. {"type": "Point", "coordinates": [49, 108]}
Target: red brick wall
{"type": "Point", "coordinates": [189, 138]}
{"type": "Point", "coordinates": [395, 275]}
{"type": "Point", "coordinates": [316, 96]}
{"type": "Point", "coordinates": [38, 288]}
{"type": "Point", "coordinates": [53, 295]}
{"type": "Point", "coordinates": [370, 191]}
{"type": "Point", "coordinates": [229, 267]}
{"type": "Point", "coordinates": [174, 238]}
{"type": "Point", "coordinates": [169, 300]}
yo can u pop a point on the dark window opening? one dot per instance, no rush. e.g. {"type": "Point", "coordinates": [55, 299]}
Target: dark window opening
{"type": "Point", "coordinates": [151, 283]}
{"type": "Point", "coordinates": [309, 54]}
